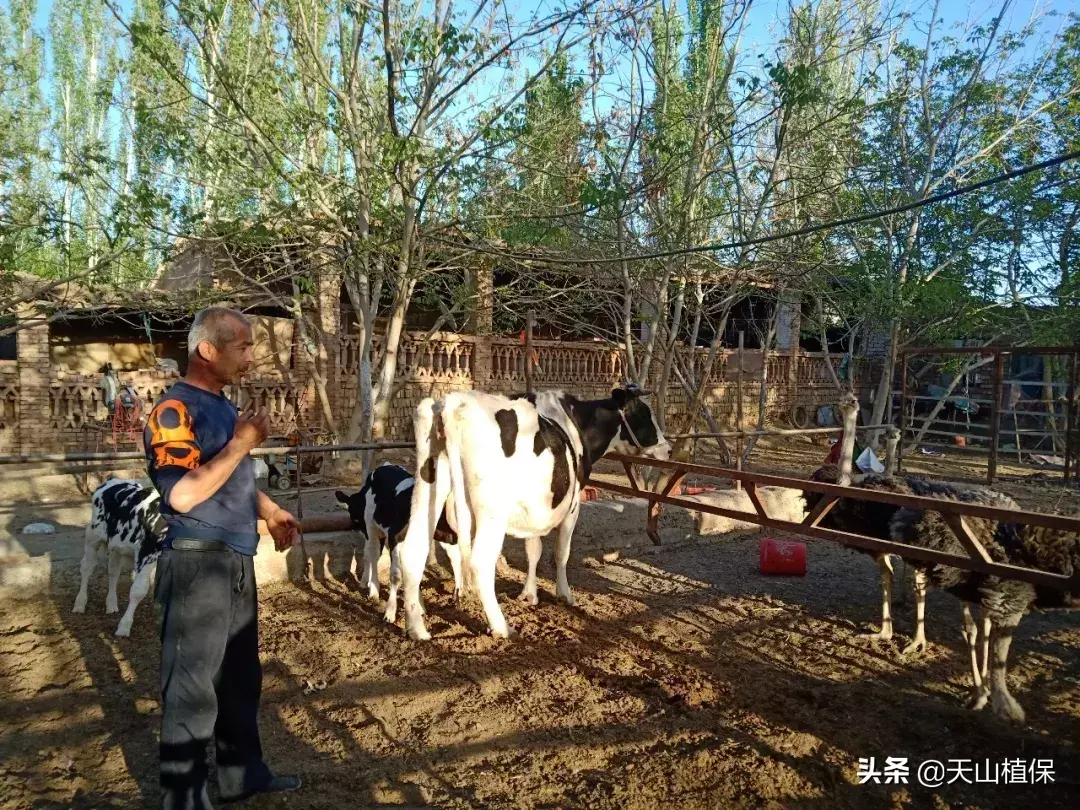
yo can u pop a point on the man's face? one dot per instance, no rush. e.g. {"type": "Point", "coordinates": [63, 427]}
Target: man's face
{"type": "Point", "coordinates": [233, 359]}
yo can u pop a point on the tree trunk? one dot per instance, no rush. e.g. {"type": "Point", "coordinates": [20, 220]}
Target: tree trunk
{"type": "Point", "coordinates": [883, 403]}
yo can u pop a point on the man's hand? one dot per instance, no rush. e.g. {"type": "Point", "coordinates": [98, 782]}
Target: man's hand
{"type": "Point", "coordinates": [251, 429]}
{"type": "Point", "coordinates": [284, 528]}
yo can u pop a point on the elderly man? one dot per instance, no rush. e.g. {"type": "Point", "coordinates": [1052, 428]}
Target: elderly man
{"type": "Point", "coordinates": [197, 452]}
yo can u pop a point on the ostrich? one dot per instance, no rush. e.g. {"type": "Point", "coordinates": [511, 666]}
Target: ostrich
{"type": "Point", "coordinates": [871, 518]}
{"type": "Point", "coordinates": [874, 518]}
{"type": "Point", "coordinates": [1003, 602]}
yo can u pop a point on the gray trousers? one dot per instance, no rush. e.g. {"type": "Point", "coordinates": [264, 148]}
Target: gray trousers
{"type": "Point", "coordinates": [211, 678]}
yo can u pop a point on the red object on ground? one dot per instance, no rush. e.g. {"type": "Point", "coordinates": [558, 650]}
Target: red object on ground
{"type": "Point", "coordinates": [780, 557]}
{"type": "Point", "coordinates": [698, 490]}
{"type": "Point", "coordinates": [834, 453]}
{"type": "Point", "coordinates": [589, 494]}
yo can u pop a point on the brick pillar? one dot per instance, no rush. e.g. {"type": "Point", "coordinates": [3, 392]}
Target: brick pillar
{"type": "Point", "coordinates": [35, 373]}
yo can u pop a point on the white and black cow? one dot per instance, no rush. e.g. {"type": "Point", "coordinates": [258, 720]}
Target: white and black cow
{"type": "Point", "coordinates": [380, 512]}
{"type": "Point", "coordinates": [512, 465]}
{"type": "Point", "coordinates": [125, 522]}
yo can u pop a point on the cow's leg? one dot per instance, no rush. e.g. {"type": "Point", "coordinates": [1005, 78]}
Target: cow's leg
{"type": "Point", "coordinates": [1005, 705]}
{"type": "Point", "coordinates": [533, 547]}
{"type": "Point", "coordinates": [140, 586]}
{"type": "Point", "coordinates": [92, 548]}
{"type": "Point", "coordinates": [918, 644]}
{"type": "Point", "coordinates": [454, 553]}
{"type": "Point", "coordinates": [428, 499]}
{"type": "Point", "coordinates": [979, 693]}
{"type": "Point", "coordinates": [116, 562]}
{"type": "Point", "coordinates": [487, 546]}
{"type": "Point", "coordinates": [372, 551]}
{"type": "Point", "coordinates": [562, 553]}
{"type": "Point", "coordinates": [395, 582]}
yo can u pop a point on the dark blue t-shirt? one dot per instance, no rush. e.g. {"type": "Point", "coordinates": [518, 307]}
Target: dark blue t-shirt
{"type": "Point", "coordinates": [187, 428]}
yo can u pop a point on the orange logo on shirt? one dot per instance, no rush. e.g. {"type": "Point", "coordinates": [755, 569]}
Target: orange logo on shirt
{"type": "Point", "coordinates": [172, 436]}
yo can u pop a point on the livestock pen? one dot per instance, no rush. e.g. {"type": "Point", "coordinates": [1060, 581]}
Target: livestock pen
{"type": "Point", "coordinates": [682, 678]}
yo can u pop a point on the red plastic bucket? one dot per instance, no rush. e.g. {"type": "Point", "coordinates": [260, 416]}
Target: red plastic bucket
{"type": "Point", "coordinates": [780, 557]}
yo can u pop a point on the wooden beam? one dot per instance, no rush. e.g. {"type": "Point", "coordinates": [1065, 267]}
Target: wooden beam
{"type": "Point", "coordinates": [751, 491]}
{"type": "Point", "coordinates": [963, 533]}
{"type": "Point", "coordinates": [818, 513]}
{"type": "Point", "coordinates": [652, 526]}
{"type": "Point", "coordinates": [320, 522]}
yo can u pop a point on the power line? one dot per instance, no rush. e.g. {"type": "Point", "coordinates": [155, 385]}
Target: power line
{"type": "Point", "coordinates": [838, 223]}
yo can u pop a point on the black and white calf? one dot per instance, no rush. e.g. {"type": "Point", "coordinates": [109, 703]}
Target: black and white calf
{"type": "Point", "coordinates": [512, 465]}
{"type": "Point", "coordinates": [125, 522]}
{"type": "Point", "coordinates": [380, 512]}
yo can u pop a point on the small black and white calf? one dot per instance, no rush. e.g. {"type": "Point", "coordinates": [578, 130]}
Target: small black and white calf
{"type": "Point", "coordinates": [512, 466]}
{"type": "Point", "coordinates": [380, 512]}
{"type": "Point", "coordinates": [125, 522]}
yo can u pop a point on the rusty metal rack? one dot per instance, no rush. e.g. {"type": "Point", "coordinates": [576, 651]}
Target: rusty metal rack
{"type": "Point", "coordinates": [998, 353]}
{"type": "Point", "coordinates": [954, 513]}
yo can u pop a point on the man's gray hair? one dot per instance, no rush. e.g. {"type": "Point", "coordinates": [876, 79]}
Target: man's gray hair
{"type": "Point", "coordinates": [214, 325]}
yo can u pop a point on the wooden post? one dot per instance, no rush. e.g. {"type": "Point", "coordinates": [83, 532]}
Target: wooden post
{"type": "Point", "coordinates": [903, 410]}
{"type": "Point", "coordinates": [1070, 418]}
{"type": "Point", "coordinates": [995, 416]}
{"type": "Point", "coordinates": [530, 321]}
{"type": "Point", "coordinates": [738, 407]}
{"type": "Point", "coordinates": [849, 407]}
{"type": "Point", "coordinates": [892, 441]}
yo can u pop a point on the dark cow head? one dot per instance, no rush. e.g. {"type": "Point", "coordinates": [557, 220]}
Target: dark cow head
{"type": "Point", "coordinates": [638, 434]}
{"type": "Point", "coordinates": [622, 423]}
{"type": "Point", "coordinates": [355, 504]}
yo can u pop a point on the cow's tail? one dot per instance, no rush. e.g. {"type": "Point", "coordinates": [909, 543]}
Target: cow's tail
{"type": "Point", "coordinates": [458, 478]}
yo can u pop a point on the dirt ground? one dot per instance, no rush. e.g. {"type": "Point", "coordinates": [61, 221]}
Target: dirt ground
{"type": "Point", "coordinates": [683, 678]}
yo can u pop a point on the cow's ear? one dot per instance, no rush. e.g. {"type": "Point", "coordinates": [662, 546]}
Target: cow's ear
{"type": "Point", "coordinates": [627, 394]}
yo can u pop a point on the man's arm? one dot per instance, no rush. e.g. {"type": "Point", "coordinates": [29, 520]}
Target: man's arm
{"type": "Point", "coordinates": [183, 481]}
{"type": "Point", "coordinates": [200, 484]}
{"type": "Point", "coordinates": [267, 507]}
{"type": "Point", "coordinates": [283, 527]}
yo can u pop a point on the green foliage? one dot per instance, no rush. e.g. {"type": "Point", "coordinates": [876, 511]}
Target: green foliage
{"type": "Point", "coordinates": [277, 115]}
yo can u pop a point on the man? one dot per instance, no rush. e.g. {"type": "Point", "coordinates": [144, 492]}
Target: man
{"type": "Point", "coordinates": [197, 448]}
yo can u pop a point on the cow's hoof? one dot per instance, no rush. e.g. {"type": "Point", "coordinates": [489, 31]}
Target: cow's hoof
{"type": "Point", "coordinates": [508, 634]}
{"type": "Point", "coordinates": [529, 597]}
{"type": "Point", "coordinates": [123, 631]}
{"type": "Point", "coordinates": [390, 616]}
{"type": "Point", "coordinates": [111, 609]}
{"type": "Point", "coordinates": [568, 599]}
{"type": "Point", "coordinates": [419, 634]}
{"type": "Point", "coordinates": [80, 607]}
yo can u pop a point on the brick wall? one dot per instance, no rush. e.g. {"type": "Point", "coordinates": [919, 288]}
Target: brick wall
{"type": "Point", "coordinates": [34, 378]}
{"type": "Point", "coordinates": [42, 410]}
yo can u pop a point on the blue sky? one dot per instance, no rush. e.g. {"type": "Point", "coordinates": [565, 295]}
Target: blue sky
{"type": "Point", "coordinates": [764, 14]}
{"type": "Point", "coordinates": [766, 18]}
